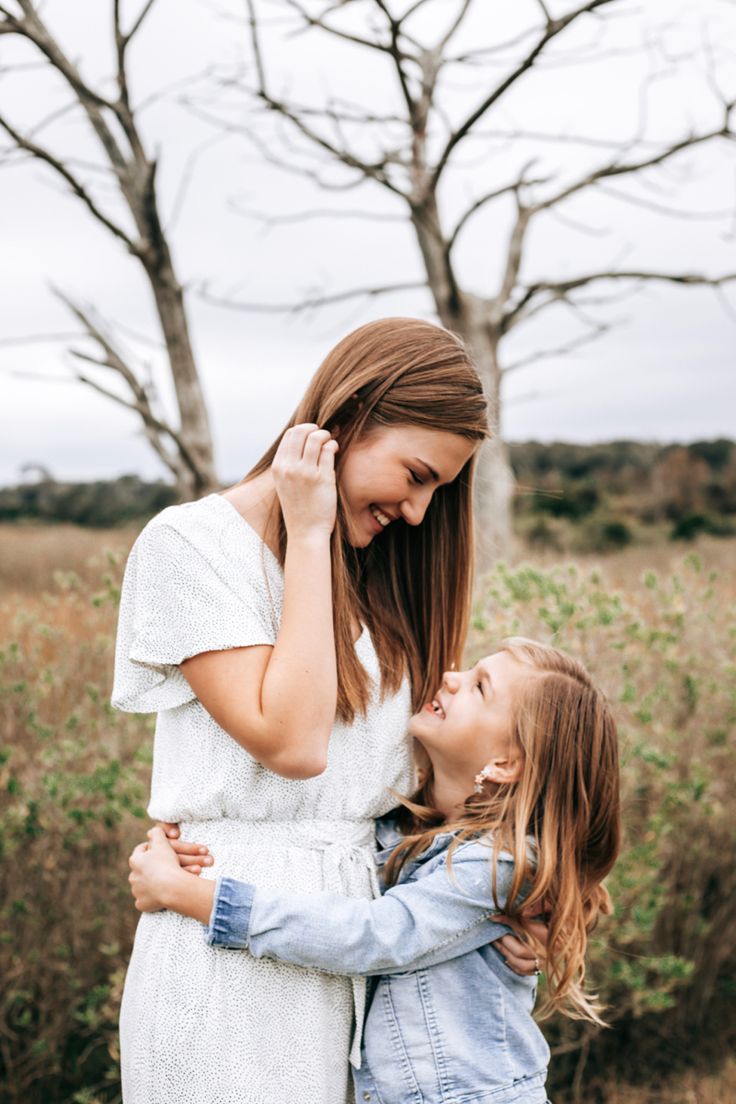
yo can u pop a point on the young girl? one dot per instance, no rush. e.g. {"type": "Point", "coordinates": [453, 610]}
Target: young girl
{"type": "Point", "coordinates": [520, 810]}
{"type": "Point", "coordinates": [283, 632]}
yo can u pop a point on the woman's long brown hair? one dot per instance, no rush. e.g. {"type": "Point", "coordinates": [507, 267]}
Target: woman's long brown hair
{"type": "Point", "coordinates": [412, 585]}
{"type": "Point", "coordinates": [565, 809]}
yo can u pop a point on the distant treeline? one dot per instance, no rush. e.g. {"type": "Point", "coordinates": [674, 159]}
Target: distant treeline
{"type": "Point", "coordinates": [610, 494]}
{"type": "Point", "coordinates": [102, 504]}
{"type": "Point", "coordinates": [588, 496]}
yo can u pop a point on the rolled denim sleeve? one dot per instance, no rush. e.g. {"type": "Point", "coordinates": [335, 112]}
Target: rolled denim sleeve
{"type": "Point", "coordinates": [231, 912]}
{"type": "Point", "coordinates": [412, 926]}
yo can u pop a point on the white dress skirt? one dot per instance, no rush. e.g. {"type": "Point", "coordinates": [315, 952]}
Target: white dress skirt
{"type": "Point", "coordinates": [201, 1025]}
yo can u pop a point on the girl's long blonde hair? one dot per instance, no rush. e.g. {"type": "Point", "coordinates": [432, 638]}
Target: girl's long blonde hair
{"type": "Point", "coordinates": [566, 804]}
{"type": "Point", "coordinates": [412, 585]}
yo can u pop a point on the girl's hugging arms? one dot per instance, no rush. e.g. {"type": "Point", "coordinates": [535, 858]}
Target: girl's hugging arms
{"type": "Point", "coordinates": [413, 925]}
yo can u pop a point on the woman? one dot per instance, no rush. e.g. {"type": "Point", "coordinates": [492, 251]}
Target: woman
{"type": "Point", "coordinates": [284, 632]}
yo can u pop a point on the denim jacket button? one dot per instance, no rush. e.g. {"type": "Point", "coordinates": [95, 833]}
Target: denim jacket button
{"type": "Point", "coordinates": [366, 1096]}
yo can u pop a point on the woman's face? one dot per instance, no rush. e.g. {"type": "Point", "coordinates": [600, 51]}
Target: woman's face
{"type": "Point", "coordinates": [391, 474]}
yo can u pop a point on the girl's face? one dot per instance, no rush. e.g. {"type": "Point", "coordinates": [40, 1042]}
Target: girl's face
{"type": "Point", "coordinates": [469, 723]}
{"type": "Point", "coordinates": [392, 472]}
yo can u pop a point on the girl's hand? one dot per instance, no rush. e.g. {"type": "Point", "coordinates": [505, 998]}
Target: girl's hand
{"type": "Point", "coordinates": [519, 956]}
{"type": "Point", "coordinates": [303, 471]}
{"type": "Point", "coordinates": [192, 856]}
{"type": "Point", "coordinates": [154, 871]}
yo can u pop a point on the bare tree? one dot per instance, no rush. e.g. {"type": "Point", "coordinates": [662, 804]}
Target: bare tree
{"type": "Point", "coordinates": [409, 151]}
{"type": "Point", "coordinates": [186, 448]}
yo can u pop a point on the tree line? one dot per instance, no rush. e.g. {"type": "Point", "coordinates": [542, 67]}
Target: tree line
{"type": "Point", "coordinates": [589, 497]}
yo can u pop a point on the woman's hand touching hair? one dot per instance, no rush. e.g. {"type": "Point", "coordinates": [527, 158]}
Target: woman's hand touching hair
{"type": "Point", "coordinates": [303, 472]}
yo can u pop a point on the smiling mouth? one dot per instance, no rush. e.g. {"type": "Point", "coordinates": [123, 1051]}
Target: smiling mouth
{"type": "Point", "coordinates": [435, 708]}
{"type": "Point", "coordinates": [381, 518]}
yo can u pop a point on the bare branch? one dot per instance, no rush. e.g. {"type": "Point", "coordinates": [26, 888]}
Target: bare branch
{"type": "Point", "coordinates": [52, 117]}
{"type": "Point", "coordinates": [311, 21]}
{"type": "Point", "coordinates": [554, 28]}
{"type": "Point", "coordinates": [483, 52]}
{"type": "Point", "coordinates": [36, 339]}
{"type": "Point", "coordinates": [309, 215]}
{"type": "Point", "coordinates": [520, 135]}
{"type": "Point", "coordinates": [309, 302]}
{"type": "Point", "coordinates": [488, 197]}
{"type": "Point", "coordinates": [578, 225]}
{"type": "Point", "coordinates": [266, 154]}
{"type": "Point", "coordinates": [375, 171]}
{"type": "Point", "coordinates": [561, 350]}
{"type": "Point", "coordinates": [560, 289]}
{"type": "Point", "coordinates": [153, 428]}
{"type": "Point", "coordinates": [513, 260]}
{"type": "Point", "coordinates": [113, 357]}
{"type": "Point", "coordinates": [398, 59]}
{"type": "Point", "coordinates": [614, 169]}
{"type": "Point", "coordinates": [661, 209]}
{"type": "Point", "coordinates": [137, 25]}
{"type": "Point", "coordinates": [186, 177]}
{"type": "Point", "coordinates": [93, 104]}
{"type": "Point", "coordinates": [123, 108]}
{"type": "Point", "coordinates": [397, 24]}
{"type": "Point", "coordinates": [74, 183]}
{"type": "Point", "coordinates": [140, 402]}
{"type": "Point", "coordinates": [454, 26]}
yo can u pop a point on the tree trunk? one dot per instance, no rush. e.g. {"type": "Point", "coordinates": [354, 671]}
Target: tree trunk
{"type": "Point", "coordinates": [196, 475]}
{"type": "Point", "coordinates": [467, 316]}
{"type": "Point", "coordinates": [495, 479]}
{"type": "Point", "coordinates": [197, 478]}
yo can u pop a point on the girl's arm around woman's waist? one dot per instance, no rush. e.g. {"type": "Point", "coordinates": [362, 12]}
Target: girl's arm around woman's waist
{"type": "Point", "coordinates": [444, 914]}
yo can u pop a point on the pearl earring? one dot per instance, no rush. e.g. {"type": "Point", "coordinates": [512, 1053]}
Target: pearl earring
{"type": "Point", "coordinates": [482, 777]}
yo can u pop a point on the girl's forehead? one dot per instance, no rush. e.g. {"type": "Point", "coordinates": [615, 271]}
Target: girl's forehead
{"type": "Point", "coordinates": [503, 668]}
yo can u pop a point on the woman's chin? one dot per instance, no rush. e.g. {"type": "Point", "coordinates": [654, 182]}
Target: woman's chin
{"type": "Point", "coordinates": [358, 536]}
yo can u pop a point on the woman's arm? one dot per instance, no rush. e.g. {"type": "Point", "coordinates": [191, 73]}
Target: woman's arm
{"type": "Point", "coordinates": [279, 702]}
{"type": "Point", "coordinates": [414, 925]}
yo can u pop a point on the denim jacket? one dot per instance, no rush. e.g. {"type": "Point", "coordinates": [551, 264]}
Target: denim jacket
{"type": "Point", "coordinates": [448, 1021]}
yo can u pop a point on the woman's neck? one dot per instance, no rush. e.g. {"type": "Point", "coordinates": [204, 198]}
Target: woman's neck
{"type": "Point", "coordinates": [255, 502]}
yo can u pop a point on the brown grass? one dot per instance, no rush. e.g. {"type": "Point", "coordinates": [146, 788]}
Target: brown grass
{"type": "Point", "coordinates": [626, 567]}
{"type": "Point", "coordinates": [32, 555]}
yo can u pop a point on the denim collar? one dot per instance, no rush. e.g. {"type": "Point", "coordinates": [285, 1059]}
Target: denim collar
{"type": "Point", "coordinates": [388, 835]}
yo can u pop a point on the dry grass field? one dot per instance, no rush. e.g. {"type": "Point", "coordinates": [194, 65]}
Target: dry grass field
{"type": "Point", "coordinates": [661, 618]}
{"type": "Point", "coordinates": [31, 556]}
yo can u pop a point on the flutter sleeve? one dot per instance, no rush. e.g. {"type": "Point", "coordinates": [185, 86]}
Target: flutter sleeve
{"type": "Point", "coordinates": [179, 599]}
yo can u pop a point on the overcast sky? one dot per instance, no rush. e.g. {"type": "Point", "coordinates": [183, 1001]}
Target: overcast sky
{"type": "Point", "coordinates": [665, 371]}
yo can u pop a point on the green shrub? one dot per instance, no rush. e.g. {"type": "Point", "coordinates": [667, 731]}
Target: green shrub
{"type": "Point", "coordinates": [690, 526]}
{"type": "Point", "coordinates": [603, 535]}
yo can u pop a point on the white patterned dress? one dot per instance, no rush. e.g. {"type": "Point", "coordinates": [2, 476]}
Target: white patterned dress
{"type": "Point", "coordinates": [207, 1026]}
